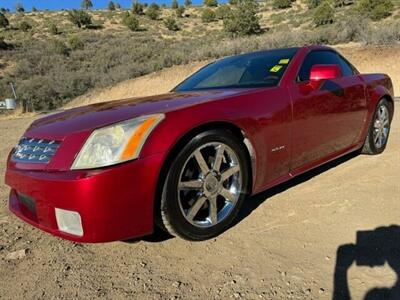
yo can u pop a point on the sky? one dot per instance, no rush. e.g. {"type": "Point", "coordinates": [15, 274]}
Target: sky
{"type": "Point", "coordinates": [57, 5]}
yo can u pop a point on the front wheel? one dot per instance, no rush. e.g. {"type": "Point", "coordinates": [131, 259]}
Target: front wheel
{"type": "Point", "coordinates": [205, 186]}
{"type": "Point", "coordinates": [379, 129]}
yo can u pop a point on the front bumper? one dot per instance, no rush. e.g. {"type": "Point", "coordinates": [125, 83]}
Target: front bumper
{"type": "Point", "coordinates": [114, 203]}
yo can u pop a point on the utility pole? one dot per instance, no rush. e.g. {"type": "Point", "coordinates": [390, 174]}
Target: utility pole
{"type": "Point", "coordinates": [13, 90]}
{"type": "Point", "coordinates": [24, 108]}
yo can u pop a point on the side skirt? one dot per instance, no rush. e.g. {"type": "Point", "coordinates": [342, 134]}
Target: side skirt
{"type": "Point", "coordinates": [308, 167]}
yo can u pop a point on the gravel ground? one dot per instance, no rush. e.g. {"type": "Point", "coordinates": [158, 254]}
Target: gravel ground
{"type": "Point", "coordinates": [284, 245]}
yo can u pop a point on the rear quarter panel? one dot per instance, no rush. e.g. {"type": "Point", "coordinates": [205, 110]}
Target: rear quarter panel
{"type": "Point", "coordinates": [377, 86]}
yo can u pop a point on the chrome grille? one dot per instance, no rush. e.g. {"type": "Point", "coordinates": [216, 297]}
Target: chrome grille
{"type": "Point", "coordinates": [31, 150]}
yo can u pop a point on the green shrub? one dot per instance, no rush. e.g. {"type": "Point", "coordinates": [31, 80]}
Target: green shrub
{"type": "Point", "coordinates": [171, 24]}
{"type": "Point", "coordinates": [111, 6]}
{"type": "Point", "coordinates": [281, 4]}
{"type": "Point", "coordinates": [53, 29]}
{"type": "Point", "coordinates": [24, 26]}
{"type": "Point", "coordinates": [188, 3]}
{"type": "Point", "coordinates": [130, 21]}
{"type": "Point", "coordinates": [60, 48]}
{"type": "Point", "coordinates": [75, 43]}
{"type": "Point", "coordinates": [174, 4]}
{"type": "Point", "coordinates": [79, 18]}
{"type": "Point", "coordinates": [210, 3]}
{"type": "Point", "coordinates": [155, 6]}
{"type": "Point", "coordinates": [324, 14]}
{"type": "Point", "coordinates": [153, 11]}
{"type": "Point", "coordinates": [137, 8]}
{"type": "Point", "coordinates": [243, 19]}
{"type": "Point", "coordinates": [233, 2]}
{"type": "Point", "coordinates": [313, 3]}
{"type": "Point", "coordinates": [222, 11]}
{"type": "Point", "coordinates": [376, 10]}
{"type": "Point", "coordinates": [86, 4]}
{"type": "Point", "coordinates": [4, 23]}
{"type": "Point", "coordinates": [208, 15]}
{"type": "Point", "coordinates": [180, 11]}
{"type": "Point", "coordinates": [341, 3]}
{"type": "Point", "coordinates": [19, 7]}
{"type": "Point", "coordinates": [3, 44]}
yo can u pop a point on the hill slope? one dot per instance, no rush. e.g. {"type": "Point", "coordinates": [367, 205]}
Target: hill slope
{"type": "Point", "coordinates": [366, 59]}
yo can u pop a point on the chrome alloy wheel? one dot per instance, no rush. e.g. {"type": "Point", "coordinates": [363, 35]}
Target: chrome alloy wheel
{"type": "Point", "coordinates": [210, 184]}
{"type": "Point", "coordinates": [381, 127]}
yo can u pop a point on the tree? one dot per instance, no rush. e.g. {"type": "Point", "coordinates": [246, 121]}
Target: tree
{"type": "Point", "coordinates": [34, 9]}
{"type": "Point", "coordinates": [171, 24]}
{"type": "Point", "coordinates": [117, 5]}
{"type": "Point", "coordinates": [4, 23]}
{"type": "Point", "coordinates": [243, 19]}
{"type": "Point", "coordinates": [79, 18]}
{"type": "Point", "coordinates": [208, 15]}
{"type": "Point", "coordinates": [153, 12]}
{"type": "Point", "coordinates": [188, 3]}
{"type": "Point", "coordinates": [137, 8]}
{"type": "Point", "coordinates": [376, 10]}
{"type": "Point", "coordinates": [130, 21]}
{"type": "Point", "coordinates": [282, 4]}
{"type": "Point", "coordinates": [111, 6]}
{"type": "Point", "coordinates": [86, 4]}
{"type": "Point", "coordinates": [211, 3]}
{"type": "Point", "coordinates": [180, 11]}
{"type": "Point", "coordinates": [324, 14]}
{"type": "Point", "coordinates": [174, 4]}
{"type": "Point", "coordinates": [19, 7]}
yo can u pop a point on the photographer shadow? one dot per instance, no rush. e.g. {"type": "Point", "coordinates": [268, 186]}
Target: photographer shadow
{"type": "Point", "coordinates": [372, 248]}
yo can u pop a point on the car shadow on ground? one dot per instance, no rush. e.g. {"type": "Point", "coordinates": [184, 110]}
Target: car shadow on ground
{"type": "Point", "coordinates": [253, 202]}
{"type": "Point", "coordinates": [372, 248]}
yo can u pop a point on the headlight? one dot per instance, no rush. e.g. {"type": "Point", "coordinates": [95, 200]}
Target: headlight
{"type": "Point", "coordinates": [116, 143]}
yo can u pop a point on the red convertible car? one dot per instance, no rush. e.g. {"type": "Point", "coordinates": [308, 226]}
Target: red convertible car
{"type": "Point", "coordinates": [185, 161]}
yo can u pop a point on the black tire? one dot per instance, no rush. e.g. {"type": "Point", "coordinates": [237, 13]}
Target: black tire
{"type": "Point", "coordinates": [171, 216]}
{"type": "Point", "coordinates": [370, 147]}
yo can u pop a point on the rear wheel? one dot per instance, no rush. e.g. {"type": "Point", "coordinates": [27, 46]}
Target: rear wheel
{"type": "Point", "coordinates": [205, 186]}
{"type": "Point", "coordinates": [379, 129]}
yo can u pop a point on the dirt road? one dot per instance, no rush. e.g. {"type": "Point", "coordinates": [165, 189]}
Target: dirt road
{"type": "Point", "coordinates": [283, 247]}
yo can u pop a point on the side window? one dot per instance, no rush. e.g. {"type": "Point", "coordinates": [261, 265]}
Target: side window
{"type": "Point", "coordinates": [347, 68]}
{"type": "Point", "coordinates": [317, 58]}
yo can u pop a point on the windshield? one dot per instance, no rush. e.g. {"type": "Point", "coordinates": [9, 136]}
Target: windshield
{"type": "Point", "coordinates": [253, 70]}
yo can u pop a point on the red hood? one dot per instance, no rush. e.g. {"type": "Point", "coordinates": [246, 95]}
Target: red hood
{"type": "Point", "coordinates": [86, 118]}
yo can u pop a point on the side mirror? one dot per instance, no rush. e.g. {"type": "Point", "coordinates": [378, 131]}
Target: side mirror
{"type": "Point", "coordinates": [324, 72]}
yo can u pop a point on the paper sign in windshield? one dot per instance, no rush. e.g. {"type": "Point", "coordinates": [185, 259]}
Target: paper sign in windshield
{"type": "Point", "coordinates": [276, 68]}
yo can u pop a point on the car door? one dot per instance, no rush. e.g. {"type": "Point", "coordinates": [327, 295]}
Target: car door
{"type": "Point", "coordinates": [327, 118]}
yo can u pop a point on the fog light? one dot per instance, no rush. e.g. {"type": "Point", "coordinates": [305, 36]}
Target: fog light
{"type": "Point", "coordinates": [69, 221]}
